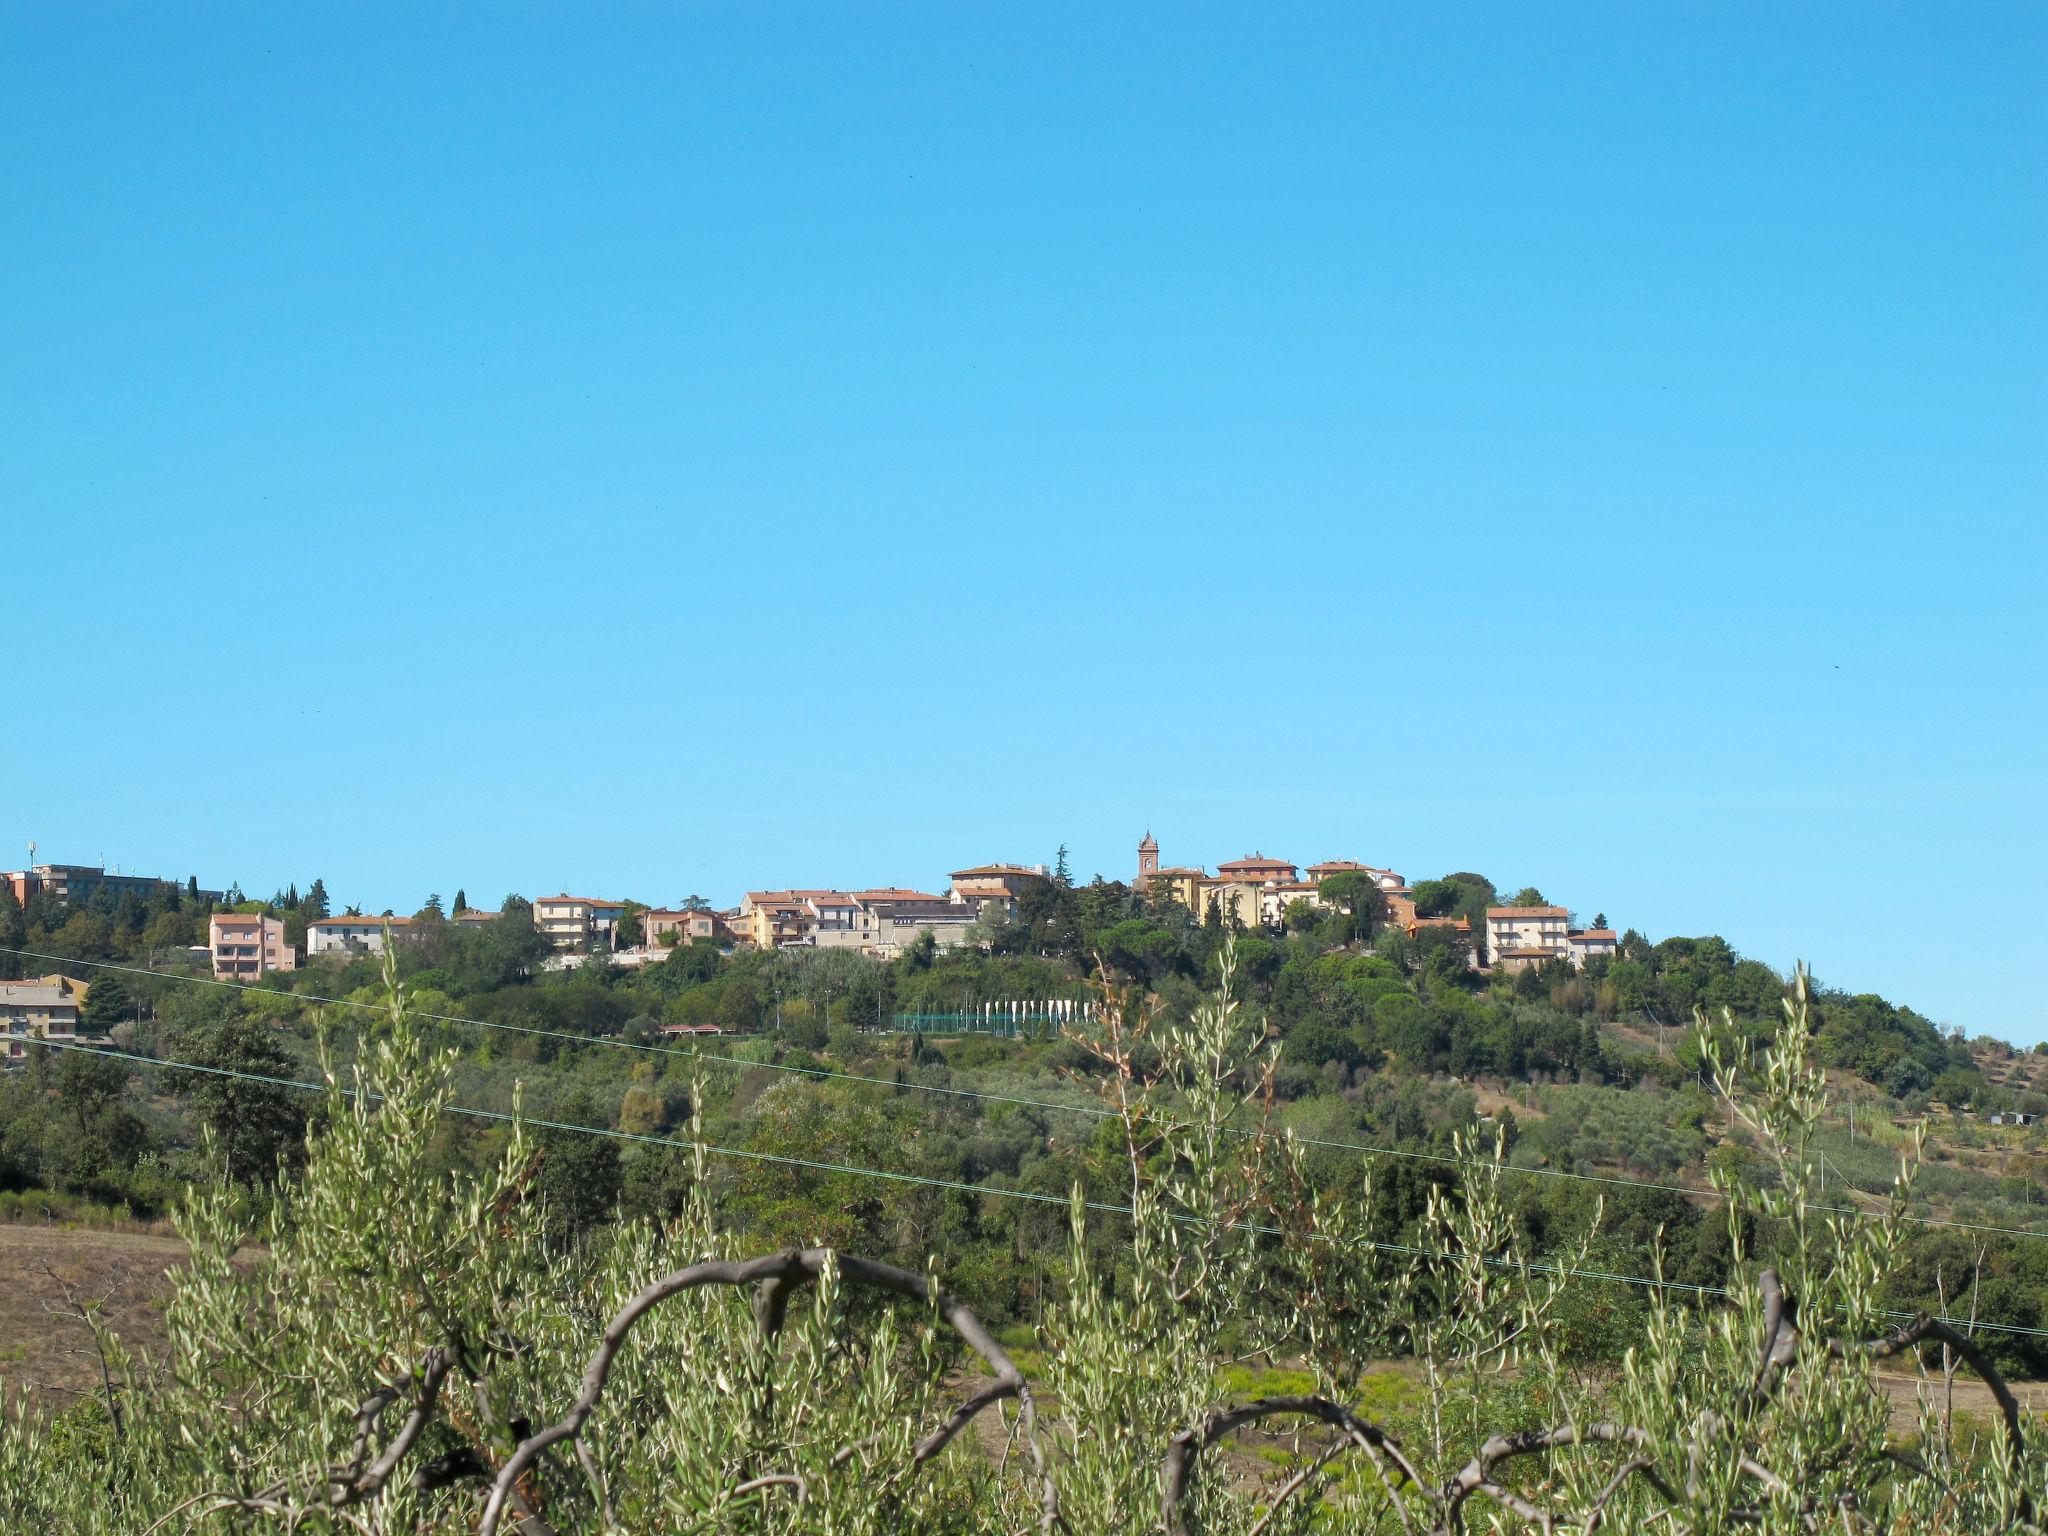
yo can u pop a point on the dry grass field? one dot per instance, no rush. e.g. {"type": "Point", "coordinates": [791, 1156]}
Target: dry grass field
{"type": "Point", "coordinates": [47, 1356]}
{"type": "Point", "coordinates": [46, 1350]}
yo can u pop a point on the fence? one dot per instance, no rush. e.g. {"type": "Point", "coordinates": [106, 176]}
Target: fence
{"type": "Point", "coordinates": [1033, 1019]}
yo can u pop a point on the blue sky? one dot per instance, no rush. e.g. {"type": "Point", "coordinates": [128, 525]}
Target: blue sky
{"type": "Point", "coordinates": [662, 449]}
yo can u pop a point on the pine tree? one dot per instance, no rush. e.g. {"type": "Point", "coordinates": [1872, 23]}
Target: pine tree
{"type": "Point", "coordinates": [106, 1004]}
{"type": "Point", "coordinates": [316, 900]}
{"type": "Point", "coordinates": [461, 902]}
{"type": "Point", "coordinates": [13, 924]}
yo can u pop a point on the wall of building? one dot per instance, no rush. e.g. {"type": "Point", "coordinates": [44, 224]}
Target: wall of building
{"type": "Point", "coordinates": [330, 936]}
{"type": "Point", "coordinates": [244, 947]}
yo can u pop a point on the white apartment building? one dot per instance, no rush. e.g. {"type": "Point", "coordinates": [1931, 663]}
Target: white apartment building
{"type": "Point", "coordinates": [354, 934]}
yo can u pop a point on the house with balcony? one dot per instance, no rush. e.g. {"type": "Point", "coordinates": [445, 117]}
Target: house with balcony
{"type": "Point", "coordinates": [577, 924]}
{"type": "Point", "coordinates": [245, 945]}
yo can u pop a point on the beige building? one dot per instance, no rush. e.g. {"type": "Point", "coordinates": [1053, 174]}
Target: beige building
{"type": "Point", "coordinates": [997, 884]}
{"type": "Point", "coordinates": [888, 927]}
{"type": "Point", "coordinates": [665, 927]}
{"type": "Point", "coordinates": [1248, 891]}
{"type": "Point", "coordinates": [1255, 891]}
{"type": "Point", "coordinates": [1385, 879]}
{"type": "Point", "coordinates": [883, 920]}
{"type": "Point", "coordinates": [577, 924]}
{"type": "Point", "coordinates": [244, 946]}
{"type": "Point", "coordinates": [354, 934]}
{"type": "Point", "coordinates": [45, 1008]}
{"type": "Point", "coordinates": [880, 921]}
{"type": "Point", "coordinates": [1177, 882]}
{"type": "Point", "coordinates": [833, 921]}
{"type": "Point", "coordinates": [1277, 897]}
{"type": "Point", "coordinates": [1585, 944]}
{"type": "Point", "coordinates": [1521, 938]}
{"type": "Point", "coordinates": [771, 919]}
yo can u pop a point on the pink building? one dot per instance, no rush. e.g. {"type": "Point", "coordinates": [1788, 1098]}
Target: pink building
{"type": "Point", "coordinates": [245, 946]}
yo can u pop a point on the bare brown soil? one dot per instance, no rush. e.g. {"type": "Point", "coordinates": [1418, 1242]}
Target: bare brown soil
{"type": "Point", "coordinates": [1971, 1398]}
{"type": "Point", "coordinates": [1491, 1101]}
{"type": "Point", "coordinates": [46, 1350]}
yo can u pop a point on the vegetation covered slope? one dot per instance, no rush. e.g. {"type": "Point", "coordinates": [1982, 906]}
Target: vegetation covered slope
{"type": "Point", "coordinates": [382, 1341]}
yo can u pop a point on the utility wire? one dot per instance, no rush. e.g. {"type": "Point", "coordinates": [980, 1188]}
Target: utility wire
{"type": "Point", "coordinates": [958, 1186]}
{"type": "Point", "coordinates": [1095, 1111]}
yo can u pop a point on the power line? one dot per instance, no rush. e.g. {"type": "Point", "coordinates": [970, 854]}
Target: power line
{"type": "Point", "coordinates": [955, 1185]}
{"type": "Point", "coordinates": [1443, 1159]}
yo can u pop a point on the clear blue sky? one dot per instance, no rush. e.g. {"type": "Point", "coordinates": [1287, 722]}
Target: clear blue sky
{"type": "Point", "coordinates": [670, 449]}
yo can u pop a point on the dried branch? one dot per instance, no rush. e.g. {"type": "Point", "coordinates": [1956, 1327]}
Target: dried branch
{"type": "Point", "coordinates": [774, 1277]}
{"type": "Point", "coordinates": [354, 1483]}
{"type": "Point", "coordinates": [1187, 1446]}
{"type": "Point", "coordinates": [87, 1313]}
{"type": "Point", "coordinates": [1781, 1333]}
{"type": "Point", "coordinates": [1477, 1476]}
{"type": "Point", "coordinates": [1924, 1328]}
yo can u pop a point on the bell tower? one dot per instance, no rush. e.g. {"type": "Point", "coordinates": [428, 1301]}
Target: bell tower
{"type": "Point", "coordinates": [1148, 861]}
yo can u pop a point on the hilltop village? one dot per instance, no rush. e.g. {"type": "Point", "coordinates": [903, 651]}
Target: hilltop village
{"type": "Point", "coordinates": [247, 939]}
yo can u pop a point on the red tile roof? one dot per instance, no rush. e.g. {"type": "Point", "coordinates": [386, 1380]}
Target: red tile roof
{"type": "Point", "coordinates": [1527, 912]}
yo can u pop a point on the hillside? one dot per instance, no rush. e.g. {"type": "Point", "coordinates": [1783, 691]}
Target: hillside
{"type": "Point", "coordinates": [840, 1078]}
